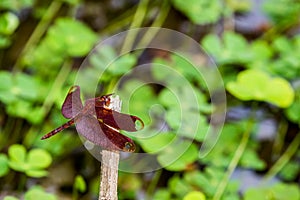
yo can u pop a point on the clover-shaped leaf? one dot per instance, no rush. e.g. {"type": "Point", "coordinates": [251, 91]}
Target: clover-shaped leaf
{"type": "Point", "coordinates": [183, 98]}
{"type": "Point", "coordinates": [106, 60]}
{"type": "Point", "coordinates": [179, 186]}
{"type": "Point", "coordinates": [162, 194]}
{"type": "Point", "coordinates": [277, 191]}
{"type": "Point", "coordinates": [281, 11]}
{"type": "Point", "coordinates": [176, 70]}
{"type": "Point", "coordinates": [8, 23]}
{"type": "Point", "coordinates": [157, 143]}
{"type": "Point", "coordinates": [44, 159]}
{"type": "Point", "coordinates": [178, 156]}
{"type": "Point", "coordinates": [231, 48]}
{"type": "Point", "coordinates": [251, 160]}
{"type": "Point", "coordinates": [67, 37]}
{"type": "Point", "coordinates": [77, 39]}
{"type": "Point", "coordinates": [258, 85]}
{"type": "Point", "coordinates": [173, 153]}
{"type": "Point", "coordinates": [19, 92]}
{"type": "Point", "coordinates": [194, 195]}
{"type": "Point", "coordinates": [31, 163]}
{"type": "Point", "coordinates": [38, 193]}
{"type": "Point", "coordinates": [293, 111]}
{"type": "Point", "coordinates": [200, 11]}
{"type": "Point", "coordinates": [3, 165]}
{"type": "Point", "coordinates": [20, 85]}
{"type": "Point", "coordinates": [16, 5]}
{"type": "Point", "coordinates": [10, 198]}
{"type": "Point", "coordinates": [141, 101]}
{"type": "Point", "coordinates": [17, 156]}
{"type": "Point", "coordinates": [287, 61]}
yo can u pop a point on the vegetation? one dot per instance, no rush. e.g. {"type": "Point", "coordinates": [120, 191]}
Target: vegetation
{"type": "Point", "coordinates": [43, 46]}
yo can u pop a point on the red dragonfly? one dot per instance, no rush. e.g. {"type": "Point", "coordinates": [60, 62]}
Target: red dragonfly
{"type": "Point", "coordinates": [97, 122]}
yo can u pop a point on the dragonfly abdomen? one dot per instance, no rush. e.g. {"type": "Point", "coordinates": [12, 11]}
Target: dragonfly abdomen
{"type": "Point", "coordinates": [62, 127]}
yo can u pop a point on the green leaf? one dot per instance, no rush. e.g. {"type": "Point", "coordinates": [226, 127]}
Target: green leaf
{"type": "Point", "coordinates": [36, 173]}
{"type": "Point", "coordinates": [261, 50]}
{"type": "Point", "coordinates": [176, 70]}
{"type": "Point", "coordinates": [38, 159]}
{"type": "Point", "coordinates": [282, 11]}
{"type": "Point", "coordinates": [233, 48]}
{"type": "Point", "coordinates": [193, 126]}
{"type": "Point", "coordinates": [200, 11]}
{"type": "Point", "coordinates": [286, 191]}
{"type": "Point", "coordinates": [290, 170]}
{"type": "Point", "coordinates": [5, 85]}
{"type": "Point", "coordinates": [168, 98]}
{"type": "Point", "coordinates": [76, 36]}
{"type": "Point", "coordinates": [31, 163]}
{"type": "Point", "coordinates": [178, 156]}
{"type": "Point", "coordinates": [239, 5]}
{"type": "Point", "coordinates": [162, 194]}
{"type": "Point", "coordinates": [140, 102]}
{"type": "Point", "coordinates": [123, 64]}
{"type": "Point", "coordinates": [16, 5]}
{"type": "Point", "coordinates": [79, 183]}
{"type": "Point", "coordinates": [250, 159]}
{"type": "Point", "coordinates": [17, 86]}
{"type": "Point", "coordinates": [277, 191]}
{"type": "Point", "coordinates": [66, 38]}
{"type": "Point", "coordinates": [17, 154]}
{"type": "Point", "coordinates": [5, 41]}
{"type": "Point", "coordinates": [26, 86]}
{"type": "Point", "coordinates": [279, 92]}
{"type": "Point", "coordinates": [198, 179]}
{"type": "Point", "coordinates": [226, 145]}
{"type": "Point", "coordinates": [106, 61]}
{"type": "Point", "coordinates": [17, 157]}
{"type": "Point", "coordinates": [38, 193]}
{"type": "Point", "coordinates": [282, 45]}
{"type": "Point", "coordinates": [158, 69]}
{"type": "Point", "coordinates": [4, 169]}
{"type": "Point", "coordinates": [258, 85]}
{"type": "Point", "coordinates": [8, 23]}
{"type": "Point", "coordinates": [179, 186]}
{"type": "Point", "coordinates": [157, 143]}
{"type": "Point", "coordinates": [194, 195]}
{"type": "Point", "coordinates": [10, 198]}
{"type": "Point", "coordinates": [234, 42]}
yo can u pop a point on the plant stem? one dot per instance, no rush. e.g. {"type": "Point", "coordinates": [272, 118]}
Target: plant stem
{"type": "Point", "coordinates": [237, 156]}
{"type": "Point", "coordinates": [49, 100]}
{"type": "Point", "coordinates": [281, 162]}
{"type": "Point", "coordinates": [110, 166]}
{"type": "Point", "coordinates": [38, 32]}
{"type": "Point", "coordinates": [137, 21]}
{"type": "Point", "coordinates": [279, 139]}
{"type": "Point", "coordinates": [150, 34]}
{"type": "Point", "coordinates": [153, 184]}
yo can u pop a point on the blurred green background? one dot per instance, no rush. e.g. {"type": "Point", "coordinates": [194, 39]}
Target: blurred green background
{"type": "Point", "coordinates": [256, 45]}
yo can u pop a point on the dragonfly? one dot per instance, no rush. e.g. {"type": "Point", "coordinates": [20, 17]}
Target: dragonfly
{"type": "Point", "coordinates": [97, 122]}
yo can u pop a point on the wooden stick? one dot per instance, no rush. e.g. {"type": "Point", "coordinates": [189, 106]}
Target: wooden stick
{"type": "Point", "coordinates": [109, 175]}
{"type": "Point", "coordinates": [110, 165]}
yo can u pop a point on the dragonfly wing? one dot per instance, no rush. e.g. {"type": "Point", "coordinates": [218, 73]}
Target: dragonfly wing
{"type": "Point", "coordinates": [72, 104]}
{"type": "Point", "coordinates": [102, 135]}
{"type": "Point", "coordinates": [119, 120]}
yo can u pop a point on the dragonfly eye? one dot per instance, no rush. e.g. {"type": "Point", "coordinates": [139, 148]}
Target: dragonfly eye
{"type": "Point", "coordinates": [129, 147]}
{"type": "Point", "coordinates": [107, 101]}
